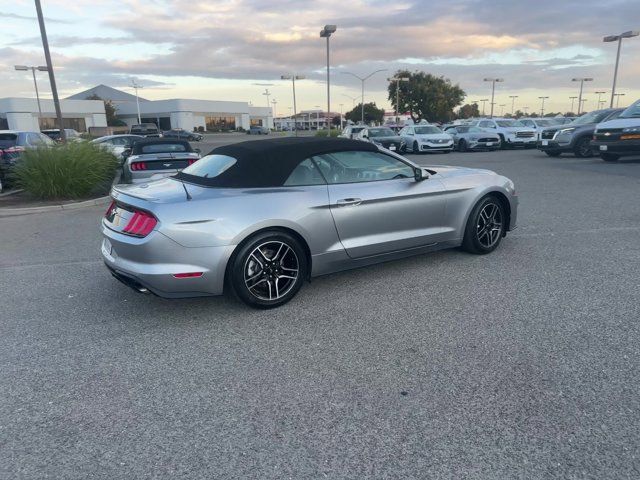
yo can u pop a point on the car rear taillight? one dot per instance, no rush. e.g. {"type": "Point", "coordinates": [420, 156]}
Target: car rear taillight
{"type": "Point", "coordinates": [188, 275]}
{"type": "Point", "coordinates": [192, 161]}
{"type": "Point", "coordinates": [112, 205]}
{"type": "Point", "coordinates": [141, 224]}
{"type": "Point", "coordinates": [138, 166]}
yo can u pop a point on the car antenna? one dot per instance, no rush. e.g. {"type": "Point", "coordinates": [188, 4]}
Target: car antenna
{"type": "Point", "coordinates": [185, 190]}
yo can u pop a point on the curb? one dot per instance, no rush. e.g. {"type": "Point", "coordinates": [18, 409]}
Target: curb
{"type": "Point", "coordinates": [12, 212]}
{"type": "Point", "coordinates": [11, 192]}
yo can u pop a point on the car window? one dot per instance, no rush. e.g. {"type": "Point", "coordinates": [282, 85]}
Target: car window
{"type": "Point", "coordinates": [305, 174]}
{"type": "Point", "coordinates": [451, 130]}
{"type": "Point", "coordinates": [8, 140]}
{"type": "Point", "coordinates": [427, 130]}
{"type": "Point", "coordinates": [485, 124]}
{"type": "Point", "coordinates": [527, 123]}
{"type": "Point", "coordinates": [210, 166]}
{"type": "Point", "coordinates": [163, 148]}
{"type": "Point", "coordinates": [357, 167]}
{"type": "Point", "coordinates": [34, 139]}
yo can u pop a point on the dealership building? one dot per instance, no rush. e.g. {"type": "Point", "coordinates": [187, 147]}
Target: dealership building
{"type": "Point", "coordinates": [80, 113]}
{"type": "Point", "coordinates": [23, 114]}
{"type": "Point", "coordinates": [189, 114]}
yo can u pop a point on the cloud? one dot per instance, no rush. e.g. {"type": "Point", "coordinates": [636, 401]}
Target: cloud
{"type": "Point", "coordinates": [32, 19]}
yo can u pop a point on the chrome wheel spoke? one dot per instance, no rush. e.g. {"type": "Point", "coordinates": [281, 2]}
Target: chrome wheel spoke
{"type": "Point", "coordinates": [489, 225]}
{"type": "Point", "coordinates": [271, 270]}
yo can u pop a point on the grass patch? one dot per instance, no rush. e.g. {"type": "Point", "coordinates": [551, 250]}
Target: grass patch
{"type": "Point", "coordinates": [69, 171]}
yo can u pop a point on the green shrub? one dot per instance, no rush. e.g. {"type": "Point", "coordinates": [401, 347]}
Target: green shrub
{"type": "Point", "coordinates": [72, 170]}
{"type": "Point", "coordinates": [323, 133]}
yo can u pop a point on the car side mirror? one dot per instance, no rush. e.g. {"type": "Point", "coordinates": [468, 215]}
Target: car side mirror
{"type": "Point", "coordinates": [126, 152]}
{"type": "Point", "coordinates": [420, 174]}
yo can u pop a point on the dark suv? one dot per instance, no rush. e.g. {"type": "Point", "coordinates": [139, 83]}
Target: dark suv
{"type": "Point", "coordinates": [145, 130]}
{"type": "Point", "coordinates": [574, 137]}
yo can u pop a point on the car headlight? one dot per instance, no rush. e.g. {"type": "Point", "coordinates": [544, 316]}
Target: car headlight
{"type": "Point", "coordinates": [631, 129]}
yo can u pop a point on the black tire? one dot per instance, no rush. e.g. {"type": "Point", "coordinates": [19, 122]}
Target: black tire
{"type": "Point", "coordinates": [609, 157]}
{"type": "Point", "coordinates": [257, 277]}
{"type": "Point", "coordinates": [479, 240]}
{"type": "Point", "coordinates": [462, 145]}
{"type": "Point", "coordinates": [553, 153]}
{"type": "Point", "coordinates": [582, 148]}
{"type": "Point", "coordinates": [403, 149]}
{"type": "Point", "coordinates": [415, 148]}
{"type": "Point", "coordinates": [503, 143]}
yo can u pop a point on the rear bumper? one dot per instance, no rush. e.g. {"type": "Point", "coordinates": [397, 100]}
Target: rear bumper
{"type": "Point", "coordinates": [151, 262]}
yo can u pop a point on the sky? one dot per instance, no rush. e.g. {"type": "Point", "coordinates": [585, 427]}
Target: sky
{"type": "Point", "coordinates": [234, 49]}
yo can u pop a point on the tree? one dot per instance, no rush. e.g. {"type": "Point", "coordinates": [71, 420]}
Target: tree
{"type": "Point", "coordinates": [425, 96]}
{"type": "Point", "coordinates": [110, 111]}
{"type": "Point", "coordinates": [468, 110]}
{"type": "Point", "coordinates": [371, 113]}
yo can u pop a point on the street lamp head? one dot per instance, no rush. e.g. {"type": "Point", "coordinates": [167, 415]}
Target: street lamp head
{"type": "Point", "coordinates": [42, 69]}
{"type": "Point", "coordinates": [629, 34]}
{"type": "Point", "coordinates": [582, 79]}
{"type": "Point", "coordinates": [611, 38]}
{"type": "Point", "coordinates": [285, 77]}
{"type": "Point", "coordinates": [327, 31]}
{"type": "Point", "coordinates": [21, 67]}
{"type": "Point", "coordinates": [300, 77]}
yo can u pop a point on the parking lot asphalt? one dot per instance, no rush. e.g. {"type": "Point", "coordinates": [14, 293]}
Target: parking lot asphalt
{"type": "Point", "coordinates": [520, 364]}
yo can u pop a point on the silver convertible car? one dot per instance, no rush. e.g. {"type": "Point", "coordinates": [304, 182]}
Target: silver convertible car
{"type": "Point", "coordinates": [259, 218]}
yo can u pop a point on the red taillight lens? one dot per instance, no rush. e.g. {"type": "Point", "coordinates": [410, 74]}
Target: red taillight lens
{"type": "Point", "coordinates": [192, 161]}
{"type": "Point", "coordinates": [112, 205]}
{"type": "Point", "coordinates": [138, 166]}
{"type": "Point", "coordinates": [141, 224]}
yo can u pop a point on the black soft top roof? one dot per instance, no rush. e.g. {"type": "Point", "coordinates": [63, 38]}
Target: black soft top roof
{"type": "Point", "coordinates": [138, 144]}
{"type": "Point", "coordinates": [268, 163]}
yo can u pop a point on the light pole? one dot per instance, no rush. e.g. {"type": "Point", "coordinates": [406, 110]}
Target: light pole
{"type": "Point", "coordinates": [513, 102]}
{"type": "Point", "coordinates": [342, 104]}
{"type": "Point", "coordinates": [572, 100]}
{"type": "Point", "coordinates": [493, 90]}
{"type": "Point", "coordinates": [326, 33]}
{"type": "Point", "coordinates": [581, 80]}
{"type": "Point", "coordinates": [353, 99]}
{"type": "Point", "coordinates": [526, 110]}
{"type": "Point", "coordinates": [618, 99]}
{"type": "Point", "coordinates": [135, 86]}
{"type": "Point", "coordinates": [24, 68]}
{"type": "Point", "coordinates": [274, 111]}
{"type": "Point", "coordinates": [52, 78]}
{"type": "Point", "coordinates": [398, 80]}
{"type": "Point", "coordinates": [583, 101]}
{"type": "Point", "coordinates": [484, 101]}
{"type": "Point", "coordinates": [542, 108]}
{"type": "Point", "coordinates": [363, 79]}
{"type": "Point", "coordinates": [599, 93]}
{"type": "Point", "coordinates": [618, 38]}
{"type": "Point", "coordinates": [293, 79]}
{"type": "Point", "coordinates": [502, 105]}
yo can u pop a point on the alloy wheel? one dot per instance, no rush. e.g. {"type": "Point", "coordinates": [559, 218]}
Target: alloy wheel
{"type": "Point", "coordinates": [489, 226]}
{"type": "Point", "coordinates": [271, 270]}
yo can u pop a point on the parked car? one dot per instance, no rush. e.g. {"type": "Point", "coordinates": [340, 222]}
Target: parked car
{"type": "Point", "coordinates": [350, 131]}
{"type": "Point", "coordinates": [118, 144]}
{"type": "Point", "coordinates": [54, 134]}
{"type": "Point", "coordinates": [466, 137]}
{"type": "Point", "coordinates": [258, 130]}
{"type": "Point", "coordinates": [153, 159]}
{"type": "Point", "coordinates": [384, 137]}
{"type": "Point", "coordinates": [12, 144]}
{"type": "Point", "coordinates": [619, 137]}
{"type": "Point", "coordinates": [575, 137]}
{"type": "Point", "coordinates": [260, 218]}
{"type": "Point", "coordinates": [539, 124]}
{"type": "Point", "coordinates": [426, 138]}
{"type": "Point", "coordinates": [145, 130]}
{"type": "Point", "coordinates": [182, 134]}
{"type": "Point", "coordinates": [512, 133]}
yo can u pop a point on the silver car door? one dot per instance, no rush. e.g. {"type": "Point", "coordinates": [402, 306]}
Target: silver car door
{"type": "Point", "coordinates": [377, 205]}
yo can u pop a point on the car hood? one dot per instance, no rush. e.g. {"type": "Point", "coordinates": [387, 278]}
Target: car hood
{"type": "Point", "coordinates": [620, 123]}
{"type": "Point", "coordinates": [433, 136]}
{"type": "Point", "coordinates": [394, 138]}
{"type": "Point", "coordinates": [518, 129]}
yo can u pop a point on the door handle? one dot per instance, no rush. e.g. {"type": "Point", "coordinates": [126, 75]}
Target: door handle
{"type": "Point", "coordinates": [349, 201]}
